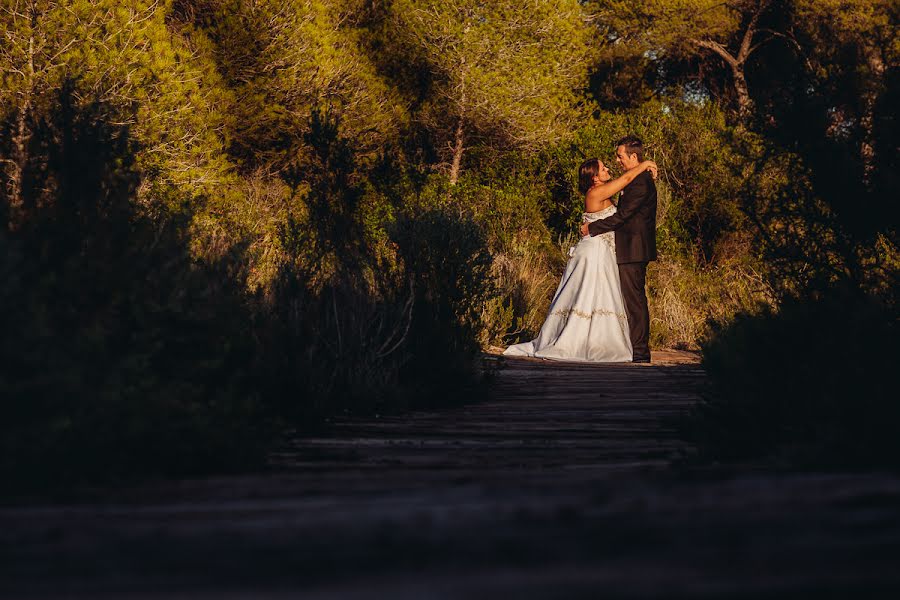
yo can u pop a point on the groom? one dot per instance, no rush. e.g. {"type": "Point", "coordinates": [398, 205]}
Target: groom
{"type": "Point", "coordinates": [635, 225]}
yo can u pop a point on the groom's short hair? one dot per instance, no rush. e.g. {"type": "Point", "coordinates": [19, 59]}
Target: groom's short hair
{"type": "Point", "coordinates": [633, 145]}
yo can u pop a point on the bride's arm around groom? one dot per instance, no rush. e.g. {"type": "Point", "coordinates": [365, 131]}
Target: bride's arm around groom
{"type": "Point", "coordinates": [635, 218]}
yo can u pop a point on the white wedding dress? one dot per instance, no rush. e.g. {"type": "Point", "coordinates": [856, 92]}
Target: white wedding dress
{"type": "Point", "coordinates": [587, 320]}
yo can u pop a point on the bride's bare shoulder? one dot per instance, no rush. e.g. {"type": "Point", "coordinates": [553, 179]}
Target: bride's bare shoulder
{"type": "Point", "coordinates": [593, 205]}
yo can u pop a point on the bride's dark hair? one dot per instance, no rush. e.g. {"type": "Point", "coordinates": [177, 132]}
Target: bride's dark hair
{"type": "Point", "coordinates": [586, 173]}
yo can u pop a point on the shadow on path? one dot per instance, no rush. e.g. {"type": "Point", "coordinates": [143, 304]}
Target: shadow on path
{"type": "Point", "coordinates": [559, 486]}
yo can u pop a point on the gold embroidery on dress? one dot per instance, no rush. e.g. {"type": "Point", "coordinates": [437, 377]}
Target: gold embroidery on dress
{"type": "Point", "coordinates": [609, 240]}
{"type": "Point", "coordinates": [566, 312]}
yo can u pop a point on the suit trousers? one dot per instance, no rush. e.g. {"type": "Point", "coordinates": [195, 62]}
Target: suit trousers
{"type": "Point", "coordinates": [633, 277]}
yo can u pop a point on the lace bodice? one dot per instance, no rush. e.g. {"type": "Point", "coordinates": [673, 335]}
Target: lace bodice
{"type": "Point", "coordinates": [590, 217]}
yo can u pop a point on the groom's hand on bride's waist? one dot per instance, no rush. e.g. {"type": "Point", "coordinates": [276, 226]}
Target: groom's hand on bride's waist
{"type": "Point", "coordinates": [584, 230]}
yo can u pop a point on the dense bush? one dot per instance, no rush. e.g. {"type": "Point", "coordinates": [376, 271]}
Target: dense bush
{"type": "Point", "coordinates": [121, 355]}
{"type": "Point", "coordinates": [395, 339]}
{"type": "Point", "coordinates": [446, 259]}
{"type": "Point", "coordinates": [374, 307]}
{"type": "Point", "coordinates": [126, 356]}
{"type": "Point", "coordinates": [505, 204]}
{"type": "Point", "coordinates": [811, 384]}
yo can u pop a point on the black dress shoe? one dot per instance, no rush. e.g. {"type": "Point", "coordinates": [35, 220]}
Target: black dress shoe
{"type": "Point", "coordinates": [640, 359]}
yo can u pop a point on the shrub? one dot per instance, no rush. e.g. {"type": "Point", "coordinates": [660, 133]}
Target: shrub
{"type": "Point", "coordinates": [812, 384]}
{"type": "Point", "coordinates": [382, 342]}
{"type": "Point", "coordinates": [507, 202]}
{"type": "Point", "coordinates": [121, 355]}
{"type": "Point", "coordinates": [446, 259]}
{"type": "Point", "coordinates": [375, 304]}
{"type": "Point", "coordinates": [338, 347]}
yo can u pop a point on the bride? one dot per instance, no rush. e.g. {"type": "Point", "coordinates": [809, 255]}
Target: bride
{"type": "Point", "coordinates": [587, 321]}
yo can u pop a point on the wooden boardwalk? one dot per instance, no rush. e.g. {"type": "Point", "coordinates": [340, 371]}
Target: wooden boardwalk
{"type": "Point", "coordinates": [559, 486]}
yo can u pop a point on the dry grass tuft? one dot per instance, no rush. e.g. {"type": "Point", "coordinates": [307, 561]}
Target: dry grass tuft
{"type": "Point", "coordinates": [524, 278]}
{"type": "Point", "coordinates": [685, 298]}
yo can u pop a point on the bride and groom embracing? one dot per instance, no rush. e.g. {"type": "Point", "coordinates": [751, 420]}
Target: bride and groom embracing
{"type": "Point", "coordinates": [599, 312]}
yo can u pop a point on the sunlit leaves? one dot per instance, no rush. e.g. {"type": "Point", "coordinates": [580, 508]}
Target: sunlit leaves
{"type": "Point", "coordinates": [122, 56]}
{"type": "Point", "coordinates": [504, 73]}
{"type": "Point", "coordinates": [283, 59]}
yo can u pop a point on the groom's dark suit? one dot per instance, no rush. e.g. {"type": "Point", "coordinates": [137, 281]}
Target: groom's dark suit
{"type": "Point", "coordinates": [635, 225]}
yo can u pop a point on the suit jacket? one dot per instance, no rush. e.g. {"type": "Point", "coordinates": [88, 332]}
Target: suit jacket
{"type": "Point", "coordinates": [634, 222]}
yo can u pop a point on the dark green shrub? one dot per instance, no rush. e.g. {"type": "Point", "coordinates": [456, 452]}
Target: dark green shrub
{"type": "Point", "coordinates": [343, 327]}
{"type": "Point", "coordinates": [121, 356]}
{"type": "Point", "coordinates": [812, 384]}
{"type": "Point", "coordinates": [446, 258]}
{"type": "Point", "coordinates": [335, 348]}
{"type": "Point", "coordinates": [378, 341]}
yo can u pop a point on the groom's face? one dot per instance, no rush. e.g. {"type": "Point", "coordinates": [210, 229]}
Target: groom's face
{"type": "Point", "coordinates": [625, 160]}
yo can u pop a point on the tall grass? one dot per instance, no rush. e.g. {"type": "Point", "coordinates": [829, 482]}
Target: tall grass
{"type": "Point", "coordinates": [523, 285]}
{"type": "Point", "coordinates": [686, 299]}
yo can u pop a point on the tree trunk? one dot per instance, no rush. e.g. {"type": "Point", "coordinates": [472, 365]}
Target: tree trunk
{"type": "Point", "coordinates": [21, 138]}
{"type": "Point", "coordinates": [457, 152]}
{"type": "Point", "coordinates": [459, 137]}
{"type": "Point", "coordinates": [19, 161]}
{"type": "Point", "coordinates": [737, 61]}
{"type": "Point", "coordinates": [745, 103]}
